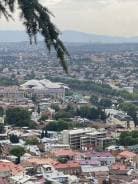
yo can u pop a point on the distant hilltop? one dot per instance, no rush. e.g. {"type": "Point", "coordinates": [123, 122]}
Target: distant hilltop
{"type": "Point", "coordinates": [68, 36]}
{"type": "Point", "coordinates": [80, 37]}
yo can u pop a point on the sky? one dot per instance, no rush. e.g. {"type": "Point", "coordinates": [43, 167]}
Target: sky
{"type": "Point", "coordinates": [104, 17]}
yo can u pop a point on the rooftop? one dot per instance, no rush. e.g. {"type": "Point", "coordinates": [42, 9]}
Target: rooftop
{"type": "Point", "coordinates": [63, 152]}
{"type": "Point", "coordinates": [68, 165]}
{"type": "Point", "coordinates": [127, 154]}
{"type": "Point", "coordinates": [81, 130]}
{"type": "Point", "coordinates": [11, 167]}
{"type": "Point", "coordinates": [41, 84]}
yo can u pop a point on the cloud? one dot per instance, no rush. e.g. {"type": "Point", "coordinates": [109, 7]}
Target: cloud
{"type": "Point", "coordinates": [109, 17]}
{"type": "Point", "coordinates": [50, 2]}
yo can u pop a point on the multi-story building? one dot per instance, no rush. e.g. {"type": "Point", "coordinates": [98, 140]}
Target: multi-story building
{"type": "Point", "coordinates": [73, 137]}
{"type": "Point", "coordinates": [43, 88]}
{"type": "Point", "coordinates": [87, 138]}
{"type": "Point", "coordinates": [11, 93]}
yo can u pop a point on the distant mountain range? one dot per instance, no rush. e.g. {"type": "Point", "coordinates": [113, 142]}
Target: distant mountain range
{"type": "Point", "coordinates": [80, 37]}
{"type": "Point", "coordinates": [68, 36]}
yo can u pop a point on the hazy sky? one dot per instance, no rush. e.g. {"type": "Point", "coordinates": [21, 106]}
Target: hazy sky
{"type": "Point", "coordinates": [109, 17]}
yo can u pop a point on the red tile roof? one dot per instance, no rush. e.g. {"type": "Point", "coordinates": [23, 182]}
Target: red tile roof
{"type": "Point", "coordinates": [64, 153]}
{"type": "Point", "coordinates": [119, 166]}
{"type": "Point", "coordinates": [127, 154]}
{"type": "Point", "coordinates": [40, 161]}
{"type": "Point", "coordinates": [11, 167]}
{"type": "Point", "coordinates": [69, 165]}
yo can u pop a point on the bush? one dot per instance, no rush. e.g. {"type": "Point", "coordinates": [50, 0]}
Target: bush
{"type": "Point", "coordinates": [33, 141]}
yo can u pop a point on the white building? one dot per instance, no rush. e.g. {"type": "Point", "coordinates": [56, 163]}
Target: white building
{"type": "Point", "coordinates": [43, 88]}
{"type": "Point", "coordinates": [56, 177]}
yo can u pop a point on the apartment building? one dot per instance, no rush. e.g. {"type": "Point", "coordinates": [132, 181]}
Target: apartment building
{"type": "Point", "coordinates": [85, 139]}
{"type": "Point", "coordinates": [73, 137]}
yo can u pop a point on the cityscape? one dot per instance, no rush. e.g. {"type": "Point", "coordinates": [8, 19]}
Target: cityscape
{"type": "Point", "coordinates": [72, 128]}
{"type": "Point", "coordinates": [68, 111]}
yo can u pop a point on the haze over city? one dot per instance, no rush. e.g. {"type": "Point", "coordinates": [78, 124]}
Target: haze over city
{"type": "Point", "coordinates": [104, 17]}
{"type": "Point", "coordinates": [69, 96]}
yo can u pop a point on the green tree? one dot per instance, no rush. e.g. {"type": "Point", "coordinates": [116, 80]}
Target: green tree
{"type": "Point", "coordinates": [63, 115]}
{"type": "Point", "coordinates": [17, 151]}
{"type": "Point", "coordinates": [63, 160]}
{"type": "Point", "coordinates": [103, 116]}
{"type": "Point", "coordinates": [1, 111]}
{"type": "Point", "coordinates": [42, 134]}
{"type": "Point", "coordinates": [128, 138]}
{"type": "Point", "coordinates": [88, 112]}
{"type": "Point", "coordinates": [32, 141]}
{"type": "Point", "coordinates": [55, 107]}
{"type": "Point", "coordinates": [18, 117]}
{"type": "Point", "coordinates": [2, 129]}
{"type": "Point", "coordinates": [43, 117]}
{"type": "Point", "coordinates": [83, 111]}
{"type": "Point", "coordinates": [131, 110]}
{"type": "Point", "coordinates": [36, 19]}
{"type": "Point", "coordinates": [57, 126]}
{"type": "Point", "coordinates": [34, 99]}
{"type": "Point", "coordinates": [94, 100]}
{"type": "Point", "coordinates": [14, 139]}
{"type": "Point", "coordinates": [38, 109]}
{"type": "Point", "coordinates": [93, 114]}
{"type": "Point", "coordinates": [105, 103]}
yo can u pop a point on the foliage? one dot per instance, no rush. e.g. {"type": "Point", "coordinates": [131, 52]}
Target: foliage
{"type": "Point", "coordinates": [93, 87]}
{"type": "Point", "coordinates": [43, 117]}
{"type": "Point", "coordinates": [94, 100]}
{"type": "Point", "coordinates": [17, 151]}
{"type": "Point", "coordinates": [89, 112]}
{"type": "Point", "coordinates": [30, 76]}
{"type": "Point", "coordinates": [36, 19]}
{"type": "Point", "coordinates": [44, 133]}
{"type": "Point", "coordinates": [1, 111]}
{"type": "Point", "coordinates": [18, 117]}
{"type": "Point", "coordinates": [67, 113]}
{"type": "Point", "coordinates": [128, 106]}
{"type": "Point", "coordinates": [4, 81]}
{"type": "Point", "coordinates": [32, 141]}
{"type": "Point", "coordinates": [70, 109]}
{"type": "Point", "coordinates": [131, 110]}
{"type": "Point", "coordinates": [63, 160]}
{"type": "Point", "coordinates": [55, 107]}
{"type": "Point", "coordinates": [38, 109]}
{"type": "Point", "coordinates": [48, 182]}
{"type": "Point", "coordinates": [34, 99]}
{"type": "Point", "coordinates": [103, 115]}
{"type": "Point", "coordinates": [128, 138]}
{"type": "Point", "coordinates": [105, 103]}
{"type": "Point", "coordinates": [84, 112]}
{"type": "Point", "coordinates": [14, 139]}
{"type": "Point", "coordinates": [63, 115]}
{"type": "Point", "coordinates": [58, 126]}
{"type": "Point", "coordinates": [2, 129]}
